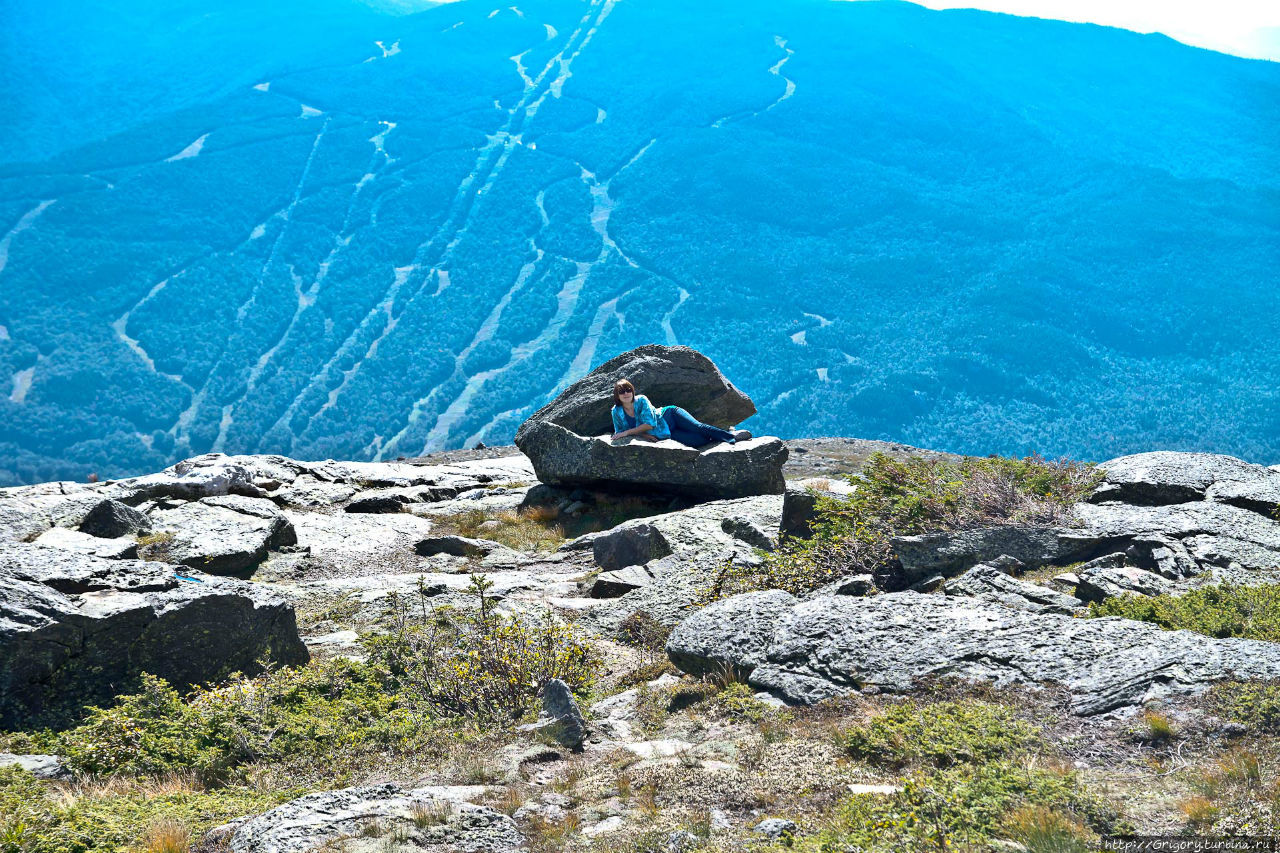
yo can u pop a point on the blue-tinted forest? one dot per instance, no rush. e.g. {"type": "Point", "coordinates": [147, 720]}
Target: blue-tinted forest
{"type": "Point", "coordinates": [352, 234]}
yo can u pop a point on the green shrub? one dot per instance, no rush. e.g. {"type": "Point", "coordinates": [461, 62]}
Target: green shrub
{"type": "Point", "coordinates": [310, 711]}
{"type": "Point", "coordinates": [479, 663]}
{"type": "Point", "coordinates": [1252, 612]}
{"type": "Point", "coordinates": [43, 817]}
{"type": "Point", "coordinates": [941, 734]}
{"type": "Point", "coordinates": [917, 495]}
{"type": "Point", "coordinates": [964, 804]}
{"type": "Point", "coordinates": [1255, 703]}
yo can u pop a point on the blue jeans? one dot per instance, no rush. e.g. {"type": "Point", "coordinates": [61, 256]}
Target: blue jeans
{"type": "Point", "coordinates": [690, 431]}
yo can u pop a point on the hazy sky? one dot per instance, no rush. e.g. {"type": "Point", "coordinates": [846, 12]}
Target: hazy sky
{"type": "Point", "coordinates": [1242, 27]}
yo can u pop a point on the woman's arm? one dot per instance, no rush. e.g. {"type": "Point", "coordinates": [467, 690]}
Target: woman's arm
{"type": "Point", "coordinates": [645, 421]}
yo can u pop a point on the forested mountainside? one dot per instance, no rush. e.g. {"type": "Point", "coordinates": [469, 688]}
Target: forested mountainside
{"type": "Point", "coordinates": [955, 229]}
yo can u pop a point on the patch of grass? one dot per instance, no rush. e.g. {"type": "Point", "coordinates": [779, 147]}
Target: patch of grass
{"type": "Point", "coordinates": [428, 814]}
{"type": "Point", "coordinates": [852, 534]}
{"type": "Point", "coordinates": [1042, 830]}
{"type": "Point", "coordinates": [311, 711]}
{"type": "Point", "coordinates": [46, 817]}
{"type": "Point", "coordinates": [644, 632]}
{"type": "Point", "coordinates": [941, 734]}
{"type": "Point", "coordinates": [1254, 703]}
{"type": "Point", "coordinates": [968, 804]}
{"type": "Point", "coordinates": [1156, 727]}
{"type": "Point", "coordinates": [529, 529]}
{"type": "Point", "coordinates": [155, 546]}
{"type": "Point", "coordinates": [1227, 610]}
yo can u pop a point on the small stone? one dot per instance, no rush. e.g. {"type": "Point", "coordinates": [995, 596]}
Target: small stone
{"type": "Point", "coordinates": [775, 828]}
{"type": "Point", "coordinates": [682, 840]}
{"type": "Point", "coordinates": [560, 717]}
{"type": "Point", "coordinates": [40, 766]}
{"type": "Point", "coordinates": [112, 519]}
{"type": "Point", "coordinates": [855, 585]}
{"type": "Point", "coordinates": [456, 546]}
{"type": "Point", "coordinates": [929, 584]}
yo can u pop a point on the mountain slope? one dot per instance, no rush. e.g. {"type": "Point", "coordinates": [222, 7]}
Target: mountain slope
{"type": "Point", "coordinates": [954, 229]}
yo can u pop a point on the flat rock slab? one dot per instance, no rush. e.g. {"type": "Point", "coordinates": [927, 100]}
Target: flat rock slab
{"type": "Point", "coordinates": [807, 651]}
{"type": "Point", "coordinates": [77, 629]}
{"type": "Point", "coordinates": [311, 822]}
{"type": "Point", "coordinates": [223, 535]}
{"type": "Point", "coordinates": [564, 458]}
{"type": "Point", "coordinates": [666, 375]}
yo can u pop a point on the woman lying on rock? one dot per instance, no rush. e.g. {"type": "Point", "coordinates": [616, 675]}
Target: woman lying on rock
{"type": "Point", "coordinates": [635, 416]}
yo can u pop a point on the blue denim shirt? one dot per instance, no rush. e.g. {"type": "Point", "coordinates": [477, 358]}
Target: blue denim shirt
{"type": "Point", "coordinates": [645, 414]}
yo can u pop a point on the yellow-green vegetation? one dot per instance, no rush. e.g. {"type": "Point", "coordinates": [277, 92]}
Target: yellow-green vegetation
{"type": "Point", "coordinates": [941, 734]}
{"type": "Point", "coordinates": [155, 546]}
{"type": "Point", "coordinates": [916, 495]}
{"type": "Point", "coordinates": [312, 711]}
{"type": "Point", "coordinates": [443, 684]}
{"type": "Point", "coordinates": [477, 662]}
{"type": "Point", "coordinates": [116, 815]}
{"type": "Point", "coordinates": [974, 774]}
{"type": "Point", "coordinates": [1227, 610]}
{"type": "Point", "coordinates": [1254, 703]}
{"type": "Point", "coordinates": [529, 529]}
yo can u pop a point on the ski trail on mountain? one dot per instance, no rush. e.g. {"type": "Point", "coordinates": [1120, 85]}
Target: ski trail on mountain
{"type": "Point", "coordinates": [789, 88]}
{"type": "Point", "coordinates": [433, 257]}
{"type": "Point", "coordinates": [183, 425]}
{"type": "Point", "coordinates": [776, 71]}
{"type": "Point", "coordinates": [488, 164]}
{"type": "Point", "coordinates": [666, 318]}
{"type": "Point", "coordinates": [24, 222]}
{"type": "Point", "coordinates": [581, 362]}
{"type": "Point", "coordinates": [602, 206]}
{"type": "Point", "coordinates": [306, 297]}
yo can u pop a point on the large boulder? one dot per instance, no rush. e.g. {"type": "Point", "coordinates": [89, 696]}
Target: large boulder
{"type": "Point", "coordinates": [77, 629]}
{"type": "Point", "coordinates": [564, 458]}
{"type": "Point", "coordinates": [826, 647]}
{"type": "Point", "coordinates": [666, 375]}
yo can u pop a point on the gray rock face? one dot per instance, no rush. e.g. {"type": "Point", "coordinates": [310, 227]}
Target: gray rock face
{"type": "Point", "coordinates": [775, 828]}
{"type": "Point", "coordinates": [75, 629]}
{"type": "Point", "coordinates": [736, 632]}
{"type": "Point", "coordinates": [826, 647]}
{"type": "Point", "coordinates": [992, 582]}
{"type": "Point", "coordinates": [112, 519]}
{"type": "Point", "coordinates": [310, 822]}
{"type": "Point", "coordinates": [1168, 477]}
{"type": "Point", "coordinates": [688, 532]}
{"type": "Point", "coordinates": [1212, 534]}
{"type": "Point", "coordinates": [683, 551]}
{"type": "Point", "coordinates": [800, 505]}
{"type": "Point", "coordinates": [223, 535]}
{"type": "Point", "coordinates": [620, 582]}
{"type": "Point", "coordinates": [457, 546]}
{"type": "Point", "coordinates": [564, 458]}
{"type": "Point", "coordinates": [950, 553]}
{"type": "Point", "coordinates": [677, 376]}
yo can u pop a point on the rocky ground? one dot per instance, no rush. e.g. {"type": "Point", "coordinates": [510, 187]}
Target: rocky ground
{"type": "Point", "coordinates": [760, 719]}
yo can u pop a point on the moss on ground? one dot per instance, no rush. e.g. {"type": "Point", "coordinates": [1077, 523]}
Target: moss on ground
{"type": "Point", "coordinates": [1226, 610]}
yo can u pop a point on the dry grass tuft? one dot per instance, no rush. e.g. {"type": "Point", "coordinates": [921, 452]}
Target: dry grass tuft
{"type": "Point", "coordinates": [167, 836]}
